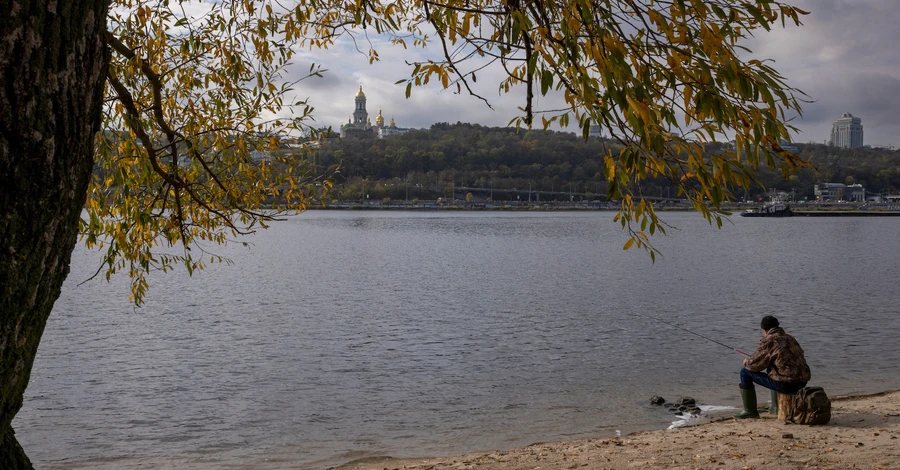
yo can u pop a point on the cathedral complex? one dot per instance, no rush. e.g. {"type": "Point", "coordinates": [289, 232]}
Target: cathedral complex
{"type": "Point", "coordinates": [360, 126]}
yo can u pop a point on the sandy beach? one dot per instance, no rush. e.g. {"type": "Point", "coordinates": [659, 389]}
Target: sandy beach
{"type": "Point", "coordinates": [864, 432]}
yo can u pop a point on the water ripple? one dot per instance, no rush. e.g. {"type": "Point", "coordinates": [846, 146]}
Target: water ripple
{"type": "Point", "coordinates": [343, 335]}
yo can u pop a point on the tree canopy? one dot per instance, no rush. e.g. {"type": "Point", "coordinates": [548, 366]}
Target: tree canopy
{"type": "Point", "coordinates": [195, 90]}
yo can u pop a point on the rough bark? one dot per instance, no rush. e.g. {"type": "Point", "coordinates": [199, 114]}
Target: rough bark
{"type": "Point", "coordinates": [53, 65]}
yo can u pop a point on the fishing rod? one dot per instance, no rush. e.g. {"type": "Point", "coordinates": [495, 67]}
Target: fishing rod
{"type": "Point", "coordinates": [696, 334]}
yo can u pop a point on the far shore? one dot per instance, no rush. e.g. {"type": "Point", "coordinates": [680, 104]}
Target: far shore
{"type": "Point", "coordinates": [799, 210]}
{"type": "Point", "coordinates": [864, 432]}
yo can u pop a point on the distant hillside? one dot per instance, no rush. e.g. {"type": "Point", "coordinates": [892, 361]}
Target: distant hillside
{"type": "Point", "coordinates": [428, 163]}
{"type": "Point", "coordinates": [876, 169]}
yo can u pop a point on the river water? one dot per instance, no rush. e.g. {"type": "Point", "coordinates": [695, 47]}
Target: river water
{"type": "Point", "coordinates": [341, 335]}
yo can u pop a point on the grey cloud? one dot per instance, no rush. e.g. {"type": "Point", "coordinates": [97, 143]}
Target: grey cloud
{"type": "Point", "coordinates": [333, 95]}
{"type": "Point", "coordinates": [844, 56]}
{"type": "Point", "coordinates": [879, 95]}
{"type": "Point", "coordinates": [846, 59]}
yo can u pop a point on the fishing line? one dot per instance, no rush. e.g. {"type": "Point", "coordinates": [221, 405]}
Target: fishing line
{"type": "Point", "coordinates": [695, 334]}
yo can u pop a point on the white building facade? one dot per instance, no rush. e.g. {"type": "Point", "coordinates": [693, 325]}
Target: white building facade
{"type": "Point", "coordinates": [361, 126]}
{"type": "Point", "coordinates": [834, 192]}
{"type": "Point", "coordinates": [847, 132]}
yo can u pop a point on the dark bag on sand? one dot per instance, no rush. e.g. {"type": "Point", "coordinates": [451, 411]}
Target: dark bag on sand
{"type": "Point", "coordinates": [812, 407]}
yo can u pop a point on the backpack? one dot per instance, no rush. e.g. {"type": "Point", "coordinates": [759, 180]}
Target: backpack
{"type": "Point", "coordinates": [812, 407]}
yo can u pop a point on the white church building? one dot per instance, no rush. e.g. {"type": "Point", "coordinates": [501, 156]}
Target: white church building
{"type": "Point", "coordinates": [361, 126]}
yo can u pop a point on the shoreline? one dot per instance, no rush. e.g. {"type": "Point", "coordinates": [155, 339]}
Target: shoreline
{"type": "Point", "coordinates": [805, 211]}
{"type": "Point", "coordinates": [864, 432]}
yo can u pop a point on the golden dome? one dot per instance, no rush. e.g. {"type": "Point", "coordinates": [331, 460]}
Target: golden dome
{"type": "Point", "coordinates": [360, 93]}
{"type": "Point", "coordinates": [393, 124]}
{"type": "Point", "coordinates": [380, 119]}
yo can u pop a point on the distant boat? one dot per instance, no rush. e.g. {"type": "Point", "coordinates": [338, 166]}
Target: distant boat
{"type": "Point", "coordinates": [775, 209]}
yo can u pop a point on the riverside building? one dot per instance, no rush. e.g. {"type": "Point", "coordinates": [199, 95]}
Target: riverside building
{"type": "Point", "coordinates": [834, 192]}
{"type": "Point", "coordinates": [847, 132]}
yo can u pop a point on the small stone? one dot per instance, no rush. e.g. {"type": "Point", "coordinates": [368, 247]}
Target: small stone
{"type": "Point", "coordinates": [694, 410]}
{"type": "Point", "coordinates": [787, 436]}
{"type": "Point", "coordinates": [657, 400]}
{"type": "Point", "coordinates": [686, 401]}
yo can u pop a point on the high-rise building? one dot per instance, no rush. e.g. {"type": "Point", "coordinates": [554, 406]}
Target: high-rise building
{"type": "Point", "coordinates": [847, 132]}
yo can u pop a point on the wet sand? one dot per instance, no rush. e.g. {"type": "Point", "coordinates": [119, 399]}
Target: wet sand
{"type": "Point", "coordinates": [864, 432]}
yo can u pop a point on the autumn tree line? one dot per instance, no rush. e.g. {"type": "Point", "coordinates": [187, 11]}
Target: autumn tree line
{"type": "Point", "coordinates": [429, 163]}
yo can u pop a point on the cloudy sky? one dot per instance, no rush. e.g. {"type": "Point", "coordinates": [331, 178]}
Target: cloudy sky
{"type": "Point", "coordinates": [846, 57]}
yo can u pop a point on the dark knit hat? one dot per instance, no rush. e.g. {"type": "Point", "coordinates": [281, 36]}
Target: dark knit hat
{"type": "Point", "coordinates": [768, 322]}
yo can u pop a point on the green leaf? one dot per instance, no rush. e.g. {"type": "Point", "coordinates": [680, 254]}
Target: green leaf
{"type": "Point", "coordinates": [546, 81]}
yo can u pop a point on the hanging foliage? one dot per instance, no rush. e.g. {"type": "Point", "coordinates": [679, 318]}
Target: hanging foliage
{"type": "Point", "coordinates": [197, 93]}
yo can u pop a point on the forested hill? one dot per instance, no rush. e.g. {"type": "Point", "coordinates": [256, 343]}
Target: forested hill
{"type": "Point", "coordinates": [876, 169]}
{"type": "Point", "coordinates": [426, 163]}
{"type": "Point", "coordinates": [467, 152]}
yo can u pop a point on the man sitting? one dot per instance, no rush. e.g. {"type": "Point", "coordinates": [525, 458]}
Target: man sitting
{"type": "Point", "coordinates": [782, 356]}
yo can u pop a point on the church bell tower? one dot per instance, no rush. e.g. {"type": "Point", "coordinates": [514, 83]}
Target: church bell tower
{"type": "Point", "coordinates": [360, 116]}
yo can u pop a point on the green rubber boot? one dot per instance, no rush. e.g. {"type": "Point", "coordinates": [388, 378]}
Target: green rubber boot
{"type": "Point", "coordinates": [748, 396]}
{"type": "Point", "coordinates": [773, 408]}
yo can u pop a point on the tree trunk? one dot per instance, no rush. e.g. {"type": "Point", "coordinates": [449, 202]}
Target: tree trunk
{"type": "Point", "coordinates": [53, 64]}
{"type": "Point", "coordinates": [787, 404]}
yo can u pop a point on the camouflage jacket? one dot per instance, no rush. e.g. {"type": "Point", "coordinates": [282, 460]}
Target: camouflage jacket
{"type": "Point", "coordinates": [780, 353]}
